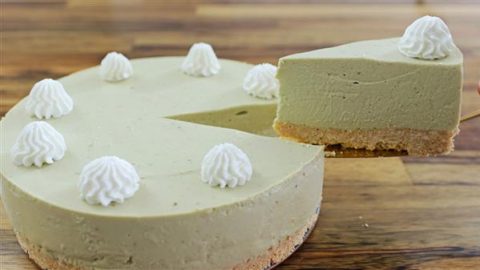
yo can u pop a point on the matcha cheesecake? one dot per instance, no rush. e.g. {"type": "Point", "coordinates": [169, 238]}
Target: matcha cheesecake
{"type": "Point", "coordinates": [398, 93]}
{"type": "Point", "coordinates": [156, 163]}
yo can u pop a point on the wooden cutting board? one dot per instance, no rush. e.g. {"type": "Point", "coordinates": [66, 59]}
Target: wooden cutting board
{"type": "Point", "coordinates": [378, 213]}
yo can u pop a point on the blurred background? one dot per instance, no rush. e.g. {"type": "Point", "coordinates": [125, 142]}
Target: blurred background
{"type": "Point", "coordinates": [408, 213]}
{"type": "Point", "coordinates": [52, 38]}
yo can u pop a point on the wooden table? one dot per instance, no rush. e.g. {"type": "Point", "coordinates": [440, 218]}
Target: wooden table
{"type": "Point", "coordinates": [409, 213]}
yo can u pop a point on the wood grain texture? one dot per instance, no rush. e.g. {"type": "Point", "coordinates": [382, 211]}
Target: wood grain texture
{"type": "Point", "coordinates": [389, 213]}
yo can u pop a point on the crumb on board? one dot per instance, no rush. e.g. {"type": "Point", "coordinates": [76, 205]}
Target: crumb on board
{"type": "Point", "coordinates": [330, 153]}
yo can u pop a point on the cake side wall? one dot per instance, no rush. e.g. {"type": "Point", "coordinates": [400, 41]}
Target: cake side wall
{"type": "Point", "coordinates": [216, 239]}
{"type": "Point", "coordinates": [367, 94]}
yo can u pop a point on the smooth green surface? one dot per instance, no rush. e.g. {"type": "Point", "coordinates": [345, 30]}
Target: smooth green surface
{"type": "Point", "coordinates": [127, 119]}
{"type": "Point", "coordinates": [370, 85]}
{"type": "Point", "coordinates": [255, 119]}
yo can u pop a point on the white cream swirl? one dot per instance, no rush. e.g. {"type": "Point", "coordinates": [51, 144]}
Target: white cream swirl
{"type": "Point", "coordinates": [115, 67]}
{"type": "Point", "coordinates": [48, 99]}
{"type": "Point", "coordinates": [38, 143]}
{"type": "Point", "coordinates": [226, 165]}
{"type": "Point", "coordinates": [108, 179]}
{"type": "Point", "coordinates": [261, 81]}
{"type": "Point", "coordinates": [201, 61]}
{"type": "Point", "coordinates": [426, 38]}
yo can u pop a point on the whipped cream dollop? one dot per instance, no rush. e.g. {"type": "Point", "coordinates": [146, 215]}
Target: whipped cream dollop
{"type": "Point", "coordinates": [226, 165]}
{"type": "Point", "coordinates": [108, 179]}
{"type": "Point", "coordinates": [426, 38]}
{"type": "Point", "coordinates": [48, 99]}
{"type": "Point", "coordinates": [115, 67]}
{"type": "Point", "coordinates": [261, 81]}
{"type": "Point", "coordinates": [201, 61]}
{"type": "Point", "coordinates": [38, 143]}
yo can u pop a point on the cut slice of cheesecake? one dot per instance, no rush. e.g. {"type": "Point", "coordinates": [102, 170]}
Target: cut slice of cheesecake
{"type": "Point", "coordinates": [368, 95]}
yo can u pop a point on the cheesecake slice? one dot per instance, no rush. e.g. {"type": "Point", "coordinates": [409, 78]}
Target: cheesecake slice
{"type": "Point", "coordinates": [369, 95]}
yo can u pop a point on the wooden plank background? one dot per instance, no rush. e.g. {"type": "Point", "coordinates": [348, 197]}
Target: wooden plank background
{"type": "Point", "coordinates": [388, 213]}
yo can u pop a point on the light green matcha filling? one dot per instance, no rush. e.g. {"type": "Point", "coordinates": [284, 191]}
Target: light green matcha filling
{"type": "Point", "coordinates": [174, 221]}
{"type": "Point", "coordinates": [130, 119]}
{"type": "Point", "coordinates": [255, 119]}
{"type": "Point", "coordinates": [370, 85]}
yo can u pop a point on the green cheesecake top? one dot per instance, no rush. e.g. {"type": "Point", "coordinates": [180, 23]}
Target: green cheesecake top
{"type": "Point", "coordinates": [384, 50]}
{"type": "Point", "coordinates": [129, 119]}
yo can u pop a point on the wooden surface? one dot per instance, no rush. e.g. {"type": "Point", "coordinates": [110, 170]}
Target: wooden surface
{"type": "Point", "coordinates": [391, 213]}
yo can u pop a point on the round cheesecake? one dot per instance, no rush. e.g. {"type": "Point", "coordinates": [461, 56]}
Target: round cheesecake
{"type": "Point", "coordinates": [163, 122]}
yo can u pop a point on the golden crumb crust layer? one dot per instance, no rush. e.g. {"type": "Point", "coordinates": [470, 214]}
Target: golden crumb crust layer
{"type": "Point", "coordinates": [415, 142]}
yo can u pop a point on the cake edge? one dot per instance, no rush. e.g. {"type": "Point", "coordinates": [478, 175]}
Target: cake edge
{"type": "Point", "coordinates": [416, 142]}
{"type": "Point", "coordinates": [286, 247]}
{"type": "Point", "coordinates": [272, 257]}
